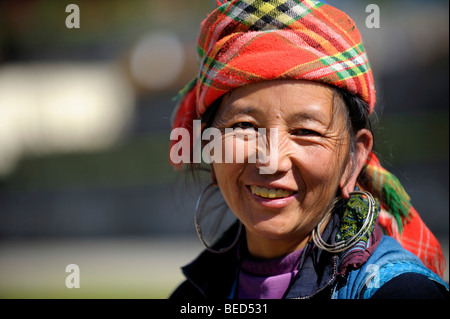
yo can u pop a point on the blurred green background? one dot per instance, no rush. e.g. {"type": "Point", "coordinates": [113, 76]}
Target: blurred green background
{"type": "Point", "coordinates": [85, 124]}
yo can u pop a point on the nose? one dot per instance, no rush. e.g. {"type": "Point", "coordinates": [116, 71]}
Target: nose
{"type": "Point", "coordinates": [284, 162]}
{"type": "Point", "coordinates": [278, 159]}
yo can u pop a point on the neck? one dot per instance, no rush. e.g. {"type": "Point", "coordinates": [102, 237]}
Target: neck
{"type": "Point", "coordinates": [272, 248]}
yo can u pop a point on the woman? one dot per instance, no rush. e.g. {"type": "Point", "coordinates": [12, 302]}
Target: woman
{"type": "Point", "coordinates": [313, 220]}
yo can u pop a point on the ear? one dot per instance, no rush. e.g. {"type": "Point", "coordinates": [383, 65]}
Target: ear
{"type": "Point", "coordinates": [364, 143]}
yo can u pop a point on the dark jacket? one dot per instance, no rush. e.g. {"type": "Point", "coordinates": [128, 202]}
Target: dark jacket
{"type": "Point", "coordinates": [211, 276]}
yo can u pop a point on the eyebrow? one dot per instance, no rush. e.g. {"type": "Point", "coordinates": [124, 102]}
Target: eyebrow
{"type": "Point", "coordinates": [309, 116]}
{"type": "Point", "coordinates": [240, 110]}
{"type": "Point", "coordinates": [302, 116]}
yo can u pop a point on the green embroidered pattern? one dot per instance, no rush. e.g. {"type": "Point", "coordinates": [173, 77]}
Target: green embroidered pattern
{"type": "Point", "coordinates": [354, 212]}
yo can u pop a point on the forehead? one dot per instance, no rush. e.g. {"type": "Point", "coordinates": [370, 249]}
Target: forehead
{"type": "Point", "coordinates": [286, 98]}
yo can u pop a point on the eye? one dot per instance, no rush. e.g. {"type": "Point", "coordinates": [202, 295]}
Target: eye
{"type": "Point", "coordinates": [307, 132]}
{"type": "Point", "coordinates": [243, 125]}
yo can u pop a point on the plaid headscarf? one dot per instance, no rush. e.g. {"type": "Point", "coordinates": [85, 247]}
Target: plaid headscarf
{"type": "Point", "coordinates": [247, 41]}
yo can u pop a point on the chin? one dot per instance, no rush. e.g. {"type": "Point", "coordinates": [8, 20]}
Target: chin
{"type": "Point", "coordinates": [272, 229]}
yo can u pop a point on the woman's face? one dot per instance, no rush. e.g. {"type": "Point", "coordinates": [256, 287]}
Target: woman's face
{"type": "Point", "coordinates": [279, 210]}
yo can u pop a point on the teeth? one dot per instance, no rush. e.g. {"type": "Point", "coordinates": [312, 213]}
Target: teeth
{"type": "Point", "coordinates": [270, 192]}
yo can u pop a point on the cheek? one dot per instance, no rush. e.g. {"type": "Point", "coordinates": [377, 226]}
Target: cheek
{"type": "Point", "coordinates": [320, 166]}
{"type": "Point", "coordinates": [227, 177]}
{"type": "Point", "coordinates": [236, 152]}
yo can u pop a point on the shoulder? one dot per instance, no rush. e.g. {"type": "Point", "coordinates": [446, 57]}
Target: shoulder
{"type": "Point", "coordinates": [390, 261]}
{"type": "Point", "coordinates": [411, 286]}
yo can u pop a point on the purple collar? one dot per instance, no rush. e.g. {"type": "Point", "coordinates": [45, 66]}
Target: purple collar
{"type": "Point", "coordinates": [266, 278]}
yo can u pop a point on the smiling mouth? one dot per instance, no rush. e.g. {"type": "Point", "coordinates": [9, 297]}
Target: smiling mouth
{"type": "Point", "coordinates": [270, 192]}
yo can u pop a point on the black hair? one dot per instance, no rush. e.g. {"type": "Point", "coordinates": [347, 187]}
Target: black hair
{"type": "Point", "coordinates": [357, 117]}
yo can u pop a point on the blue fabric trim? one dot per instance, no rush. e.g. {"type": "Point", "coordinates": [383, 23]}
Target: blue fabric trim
{"type": "Point", "coordinates": [388, 261]}
{"type": "Point", "coordinates": [390, 271]}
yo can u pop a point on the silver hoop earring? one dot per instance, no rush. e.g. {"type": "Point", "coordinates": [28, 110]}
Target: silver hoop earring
{"type": "Point", "coordinates": [345, 244]}
{"type": "Point", "coordinates": [199, 231]}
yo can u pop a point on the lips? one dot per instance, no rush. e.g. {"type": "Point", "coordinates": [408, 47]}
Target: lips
{"type": "Point", "coordinates": [271, 193]}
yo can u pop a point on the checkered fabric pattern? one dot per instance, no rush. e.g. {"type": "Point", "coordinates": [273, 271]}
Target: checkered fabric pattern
{"type": "Point", "coordinates": [399, 219]}
{"type": "Point", "coordinates": [246, 41]}
{"type": "Point", "coordinates": [255, 40]}
{"type": "Point", "coordinates": [416, 238]}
